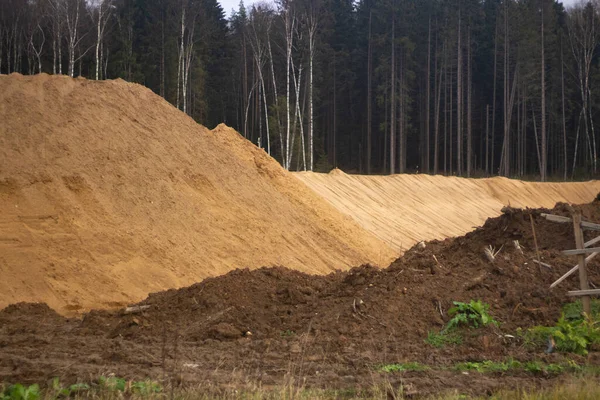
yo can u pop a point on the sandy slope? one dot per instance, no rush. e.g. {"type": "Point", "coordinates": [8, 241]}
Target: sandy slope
{"type": "Point", "coordinates": [405, 209]}
{"type": "Point", "coordinates": [108, 193]}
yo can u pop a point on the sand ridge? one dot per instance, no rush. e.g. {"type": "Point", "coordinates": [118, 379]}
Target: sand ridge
{"type": "Point", "coordinates": [405, 209]}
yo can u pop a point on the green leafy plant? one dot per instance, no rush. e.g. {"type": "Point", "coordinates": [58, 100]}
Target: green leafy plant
{"type": "Point", "coordinates": [575, 336]}
{"type": "Point", "coordinates": [473, 314]}
{"type": "Point", "coordinates": [403, 367]}
{"type": "Point", "coordinates": [573, 311]}
{"type": "Point", "coordinates": [112, 383]}
{"type": "Point", "coordinates": [534, 367]}
{"type": "Point", "coordinates": [20, 392]}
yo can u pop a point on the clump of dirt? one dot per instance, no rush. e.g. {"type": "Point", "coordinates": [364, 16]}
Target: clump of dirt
{"type": "Point", "coordinates": [332, 331]}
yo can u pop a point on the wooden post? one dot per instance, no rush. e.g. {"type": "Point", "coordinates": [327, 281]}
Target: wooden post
{"type": "Point", "coordinates": [583, 279]}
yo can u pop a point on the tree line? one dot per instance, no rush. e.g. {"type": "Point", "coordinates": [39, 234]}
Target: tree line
{"type": "Point", "coordinates": [456, 87]}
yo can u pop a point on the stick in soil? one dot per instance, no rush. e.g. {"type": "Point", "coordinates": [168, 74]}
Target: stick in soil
{"type": "Point", "coordinates": [164, 354]}
{"type": "Point", "coordinates": [537, 250]}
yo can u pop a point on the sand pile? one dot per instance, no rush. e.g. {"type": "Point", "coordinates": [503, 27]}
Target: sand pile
{"type": "Point", "coordinates": [405, 209]}
{"type": "Point", "coordinates": [107, 193]}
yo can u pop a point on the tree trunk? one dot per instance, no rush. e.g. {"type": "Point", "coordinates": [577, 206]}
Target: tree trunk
{"type": "Point", "coordinates": [564, 125]}
{"type": "Point", "coordinates": [289, 30]}
{"type": "Point", "coordinates": [543, 150]}
{"type": "Point", "coordinates": [438, 83]}
{"type": "Point", "coordinates": [487, 137]}
{"type": "Point", "coordinates": [279, 126]}
{"type": "Point", "coordinates": [181, 56]}
{"type": "Point", "coordinates": [459, 94]}
{"type": "Point", "coordinates": [493, 139]}
{"type": "Point", "coordinates": [427, 105]}
{"type": "Point", "coordinates": [392, 100]}
{"type": "Point", "coordinates": [469, 97]}
{"type": "Point", "coordinates": [369, 97]}
{"type": "Point", "coordinates": [505, 146]}
{"type": "Point", "coordinates": [98, 39]}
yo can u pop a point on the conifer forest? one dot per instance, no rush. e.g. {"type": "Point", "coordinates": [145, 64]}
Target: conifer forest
{"type": "Point", "coordinates": [457, 87]}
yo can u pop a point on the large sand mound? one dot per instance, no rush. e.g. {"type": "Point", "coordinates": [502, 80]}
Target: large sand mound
{"type": "Point", "coordinates": [405, 209]}
{"type": "Point", "coordinates": [108, 193]}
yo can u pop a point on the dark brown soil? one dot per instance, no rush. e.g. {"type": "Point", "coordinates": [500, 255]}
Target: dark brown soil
{"type": "Point", "coordinates": [272, 325]}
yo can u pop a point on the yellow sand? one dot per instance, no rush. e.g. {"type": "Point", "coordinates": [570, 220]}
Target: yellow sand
{"type": "Point", "coordinates": [405, 209]}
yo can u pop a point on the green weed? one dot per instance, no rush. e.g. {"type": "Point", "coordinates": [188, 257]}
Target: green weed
{"type": "Point", "coordinates": [574, 311]}
{"type": "Point", "coordinates": [568, 336]}
{"type": "Point", "coordinates": [473, 314]}
{"type": "Point", "coordinates": [20, 392]}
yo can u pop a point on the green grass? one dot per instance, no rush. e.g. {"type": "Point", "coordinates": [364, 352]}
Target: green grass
{"type": "Point", "coordinates": [581, 388]}
{"type": "Point", "coordinates": [440, 339]}
{"type": "Point", "coordinates": [403, 367]}
{"type": "Point", "coordinates": [490, 367]}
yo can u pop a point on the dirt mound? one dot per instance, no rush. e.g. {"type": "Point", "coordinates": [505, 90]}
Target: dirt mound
{"type": "Point", "coordinates": [405, 209]}
{"type": "Point", "coordinates": [403, 297]}
{"type": "Point", "coordinates": [107, 193]}
{"type": "Point", "coordinates": [265, 325]}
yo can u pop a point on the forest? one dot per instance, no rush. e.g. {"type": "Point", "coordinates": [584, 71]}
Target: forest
{"type": "Point", "coordinates": [457, 87]}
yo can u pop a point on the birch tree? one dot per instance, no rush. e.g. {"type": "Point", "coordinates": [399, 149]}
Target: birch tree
{"type": "Point", "coordinates": [260, 24]}
{"type": "Point", "coordinates": [584, 33]}
{"type": "Point", "coordinates": [289, 18]}
{"type": "Point", "coordinates": [101, 13]}
{"type": "Point", "coordinates": [312, 13]}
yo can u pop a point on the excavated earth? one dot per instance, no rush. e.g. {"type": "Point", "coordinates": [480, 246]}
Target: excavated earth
{"type": "Point", "coordinates": [273, 326]}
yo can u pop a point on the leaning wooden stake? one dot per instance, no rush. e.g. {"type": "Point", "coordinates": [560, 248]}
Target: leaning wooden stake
{"type": "Point", "coordinates": [583, 279]}
{"type": "Point", "coordinates": [537, 250]}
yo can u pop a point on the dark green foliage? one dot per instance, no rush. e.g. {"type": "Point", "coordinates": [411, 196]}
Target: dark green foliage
{"type": "Point", "coordinates": [567, 336]}
{"type": "Point", "coordinates": [142, 44]}
{"type": "Point", "coordinates": [473, 314]}
{"type": "Point", "coordinates": [20, 392]}
{"type": "Point", "coordinates": [573, 311]}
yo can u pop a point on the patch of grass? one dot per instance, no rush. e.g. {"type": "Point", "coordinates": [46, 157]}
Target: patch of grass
{"type": "Point", "coordinates": [578, 389]}
{"type": "Point", "coordinates": [287, 333]}
{"type": "Point", "coordinates": [530, 367]}
{"type": "Point", "coordinates": [488, 366]}
{"type": "Point", "coordinates": [473, 314]}
{"type": "Point", "coordinates": [583, 387]}
{"type": "Point", "coordinates": [440, 339]}
{"type": "Point", "coordinates": [403, 367]}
